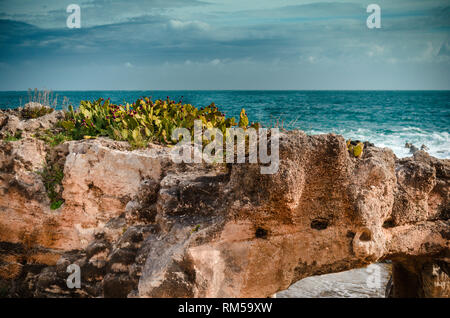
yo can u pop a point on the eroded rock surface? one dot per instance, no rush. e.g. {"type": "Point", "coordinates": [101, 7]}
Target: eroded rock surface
{"type": "Point", "coordinates": [139, 225]}
{"type": "Point", "coordinates": [13, 121]}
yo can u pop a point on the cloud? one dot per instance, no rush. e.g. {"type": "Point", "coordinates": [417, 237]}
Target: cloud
{"type": "Point", "coordinates": [93, 12]}
{"type": "Point", "coordinates": [185, 25]}
{"type": "Point", "coordinates": [312, 36]}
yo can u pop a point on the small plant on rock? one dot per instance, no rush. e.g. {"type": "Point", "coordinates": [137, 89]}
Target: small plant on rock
{"type": "Point", "coordinates": [13, 137]}
{"type": "Point", "coordinates": [52, 138]}
{"type": "Point", "coordinates": [355, 148]}
{"type": "Point", "coordinates": [52, 176]}
{"type": "Point", "coordinates": [36, 112]}
{"type": "Point", "coordinates": [196, 228]}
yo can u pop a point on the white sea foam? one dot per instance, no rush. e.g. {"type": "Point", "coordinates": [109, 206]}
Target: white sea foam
{"type": "Point", "coordinates": [438, 143]}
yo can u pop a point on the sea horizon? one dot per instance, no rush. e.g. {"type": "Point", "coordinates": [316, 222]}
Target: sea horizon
{"type": "Point", "coordinates": [387, 118]}
{"type": "Point", "coordinates": [237, 89]}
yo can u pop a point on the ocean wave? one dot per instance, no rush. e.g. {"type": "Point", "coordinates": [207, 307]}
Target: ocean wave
{"type": "Point", "coordinates": [438, 143]}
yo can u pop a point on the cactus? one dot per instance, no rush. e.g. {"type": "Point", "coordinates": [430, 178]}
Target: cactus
{"type": "Point", "coordinates": [355, 149]}
{"type": "Point", "coordinates": [243, 119]}
{"type": "Point", "coordinates": [143, 121]}
{"type": "Point", "coordinates": [358, 150]}
{"type": "Point", "coordinates": [68, 125]}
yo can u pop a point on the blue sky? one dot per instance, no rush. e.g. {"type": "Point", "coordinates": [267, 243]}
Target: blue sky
{"type": "Point", "coordinates": [228, 44]}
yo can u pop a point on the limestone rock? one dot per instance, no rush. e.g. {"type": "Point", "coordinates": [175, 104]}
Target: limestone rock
{"type": "Point", "coordinates": [12, 121]}
{"type": "Point", "coordinates": [139, 225]}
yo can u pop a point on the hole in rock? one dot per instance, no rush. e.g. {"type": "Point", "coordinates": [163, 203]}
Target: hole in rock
{"type": "Point", "coordinates": [319, 224]}
{"type": "Point", "coordinates": [445, 214]}
{"type": "Point", "coordinates": [389, 223]}
{"type": "Point", "coordinates": [365, 236]}
{"type": "Point", "coordinates": [261, 233]}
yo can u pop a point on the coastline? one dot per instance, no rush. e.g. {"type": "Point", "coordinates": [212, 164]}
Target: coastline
{"type": "Point", "coordinates": [130, 217]}
{"type": "Point", "coordinates": [386, 118]}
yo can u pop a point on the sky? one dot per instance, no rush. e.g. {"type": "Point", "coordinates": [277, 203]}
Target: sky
{"type": "Point", "coordinates": [227, 44]}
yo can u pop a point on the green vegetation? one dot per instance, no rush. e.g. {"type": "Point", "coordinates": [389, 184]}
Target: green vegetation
{"type": "Point", "coordinates": [15, 137]}
{"type": "Point", "coordinates": [56, 205]}
{"type": "Point", "coordinates": [139, 123]}
{"type": "Point", "coordinates": [196, 228]}
{"type": "Point", "coordinates": [52, 177]}
{"type": "Point", "coordinates": [36, 112]}
{"type": "Point", "coordinates": [143, 121]}
{"type": "Point", "coordinates": [355, 148]}
{"type": "Point", "coordinates": [52, 138]}
{"type": "Point", "coordinates": [243, 119]}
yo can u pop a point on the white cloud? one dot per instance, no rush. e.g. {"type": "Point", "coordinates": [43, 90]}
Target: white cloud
{"type": "Point", "coordinates": [184, 25]}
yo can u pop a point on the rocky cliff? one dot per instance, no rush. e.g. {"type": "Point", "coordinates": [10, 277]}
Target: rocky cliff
{"type": "Point", "coordinates": [139, 225]}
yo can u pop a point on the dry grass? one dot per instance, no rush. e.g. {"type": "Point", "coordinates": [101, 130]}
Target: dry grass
{"type": "Point", "coordinates": [280, 123]}
{"type": "Point", "coordinates": [44, 97]}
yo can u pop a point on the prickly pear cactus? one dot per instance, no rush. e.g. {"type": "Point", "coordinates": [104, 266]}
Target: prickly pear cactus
{"type": "Point", "coordinates": [243, 119]}
{"type": "Point", "coordinates": [143, 121]}
{"type": "Point", "coordinates": [358, 150]}
{"type": "Point", "coordinates": [355, 150]}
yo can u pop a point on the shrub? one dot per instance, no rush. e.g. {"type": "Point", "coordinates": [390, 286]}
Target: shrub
{"type": "Point", "coordinates": [143, 121]}
{"type": "Point", "coordinates": [36, 112]}
{"type": "Point", "coordinates": [52, 138]}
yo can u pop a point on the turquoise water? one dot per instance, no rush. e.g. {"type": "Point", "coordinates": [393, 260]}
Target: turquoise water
{"type": "Point", "coordinates": [386, 118]}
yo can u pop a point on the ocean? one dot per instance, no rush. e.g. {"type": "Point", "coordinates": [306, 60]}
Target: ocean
{"type": "Point", "coordinates": [385, 118]}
